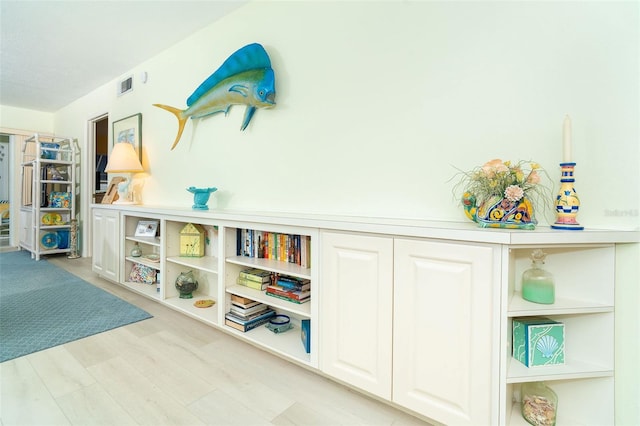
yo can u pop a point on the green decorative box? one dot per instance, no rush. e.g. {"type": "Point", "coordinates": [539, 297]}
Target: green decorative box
{"type": "Point", "coordinates": [538, 341]}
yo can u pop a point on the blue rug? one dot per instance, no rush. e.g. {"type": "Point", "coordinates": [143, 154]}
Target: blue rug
{"type": "Point", "coordinates": [42, 306]}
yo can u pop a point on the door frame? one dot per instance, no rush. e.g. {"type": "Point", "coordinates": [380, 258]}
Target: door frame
{"type": "Point", "coordinates": [89, 176]}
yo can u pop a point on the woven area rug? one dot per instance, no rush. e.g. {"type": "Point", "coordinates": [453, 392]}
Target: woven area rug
{"type": "Point", "coordinates": [42, 306]}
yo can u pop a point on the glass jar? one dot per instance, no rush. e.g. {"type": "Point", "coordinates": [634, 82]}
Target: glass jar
{"type": "Point", "coordinates": [539, 404]}
{"type": "Point", "coordinates": [537, 284]}
{"type": "Point", "coordinates": [135, 251]}
{"type": "Point", "coordinates": [186, 284]}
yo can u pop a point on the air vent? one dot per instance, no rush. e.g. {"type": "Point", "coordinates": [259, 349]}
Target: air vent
{"type": "Point", "coordinates": [125, 86]}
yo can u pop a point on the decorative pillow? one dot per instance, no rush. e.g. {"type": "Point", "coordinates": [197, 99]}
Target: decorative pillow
{"type": "Point", "coordinates": [142, 274]}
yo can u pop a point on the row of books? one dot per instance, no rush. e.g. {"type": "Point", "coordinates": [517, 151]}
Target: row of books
{"type": "Point", "coordinates": [290, 248]}
{"type": "Point", "coordinates": [246, 314]}
{"type": "Point", "coordinates": [292, 289]}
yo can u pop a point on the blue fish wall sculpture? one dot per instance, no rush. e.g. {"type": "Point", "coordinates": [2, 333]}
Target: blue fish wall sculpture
{"type": "Point", "coordinates": [245, 78]}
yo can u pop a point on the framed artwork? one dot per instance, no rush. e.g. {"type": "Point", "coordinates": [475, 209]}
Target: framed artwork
{"type": "Point", "coordinates": [112, 190]}
{"type": "Point", "coordinates": [147, 228]}
{"type": "Point", "coordinates": [129, 130]}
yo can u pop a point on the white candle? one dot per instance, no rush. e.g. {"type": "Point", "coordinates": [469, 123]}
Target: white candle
{"type": "Point", "coordinates": [566, 140]}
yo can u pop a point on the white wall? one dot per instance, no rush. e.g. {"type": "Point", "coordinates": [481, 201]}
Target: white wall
{"type": "Point", "coordinates": [378, 103]}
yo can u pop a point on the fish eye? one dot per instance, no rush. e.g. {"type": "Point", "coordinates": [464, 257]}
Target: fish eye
{"type": "Point", "coordinates": [262, 93]}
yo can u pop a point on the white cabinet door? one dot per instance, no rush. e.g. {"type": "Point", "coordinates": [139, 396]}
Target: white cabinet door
{"type": "Point", "coordinates": [445, 314]}
{"type": "Point", "coordinates": [356, 290]}
{"type": "Point", "coordinates": [106, 243]}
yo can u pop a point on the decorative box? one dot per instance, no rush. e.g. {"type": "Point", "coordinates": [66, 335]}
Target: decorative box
{"type": "Point", "coordinates": [60, 200]}
{"type": "Point", "coordinates": [49, 154]}
{"type": "Point", "coordinates": [538, 341]}
{"type": "Point", "coordinates": [192, 240]}
{"type": "Point", "coordinates": [305, 334]}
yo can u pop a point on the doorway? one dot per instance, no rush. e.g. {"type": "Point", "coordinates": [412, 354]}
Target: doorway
{"type": "Point", "coordinates": [95, 157]}
{"type": "Point", "coordinates": [5, 190]}
{"type": "Point", "coordinates": [101, 147]}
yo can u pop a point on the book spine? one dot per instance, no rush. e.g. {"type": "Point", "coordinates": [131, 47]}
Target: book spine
{"type": "Point", "coordinates": [243, 321]}
{"type": "Point", "coordinates": [277, 296]}
{"type": "Point", "coordinates": [253, 277]}
{"type": "Point", "coordinates": [246, 327]}
{"type": "Point", "coordinates": [252, 284]}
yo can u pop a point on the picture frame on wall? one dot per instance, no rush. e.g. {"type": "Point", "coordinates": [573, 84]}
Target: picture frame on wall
{"type": "Point", "coordinates": [129, 130]}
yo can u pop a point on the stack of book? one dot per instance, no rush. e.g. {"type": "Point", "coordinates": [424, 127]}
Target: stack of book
{"type": "Point", "coordinates": [246, 314]}
{"type": "Point", "coordinates": [254, 278]}
{"type": "Point", "coordinates": [293, 289]}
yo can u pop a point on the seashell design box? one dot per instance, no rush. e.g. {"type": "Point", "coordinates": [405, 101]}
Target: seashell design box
{"type": "Point", "coordinates": [538, 341]}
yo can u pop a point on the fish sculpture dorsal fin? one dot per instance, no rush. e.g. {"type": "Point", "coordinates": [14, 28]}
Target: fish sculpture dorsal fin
{"type": "Point", "coordinates": [250, 57]}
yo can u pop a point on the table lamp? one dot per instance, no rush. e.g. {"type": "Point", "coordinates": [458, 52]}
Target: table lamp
{"type": "Point", "coordinates": [124, 159]}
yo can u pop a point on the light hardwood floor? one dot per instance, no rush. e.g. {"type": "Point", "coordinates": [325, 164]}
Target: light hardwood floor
{"type": "Point", "coordinates": [173, 370]}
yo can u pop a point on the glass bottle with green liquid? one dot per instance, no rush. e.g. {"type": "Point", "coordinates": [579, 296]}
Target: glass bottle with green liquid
{"type": "Point", "coordinates": [537, 283]}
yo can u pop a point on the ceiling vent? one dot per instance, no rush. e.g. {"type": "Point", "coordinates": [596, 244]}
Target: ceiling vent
{"type": "Point", "coordinates": [125, 86]}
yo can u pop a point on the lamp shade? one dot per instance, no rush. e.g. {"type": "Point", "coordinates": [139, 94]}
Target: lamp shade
{"type": "Point", "coordinates": [123, 159]}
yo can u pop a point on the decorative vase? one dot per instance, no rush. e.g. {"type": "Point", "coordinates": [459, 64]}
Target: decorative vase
{"type": "Point", "coordinates": [201, 197]}
{"type": "Point", "coordinates": [135, 251]}
{"type": "Point", "coordinates": [567, 201]}
{"type": "Point", "coordinates": [499, 212]}
{"type": "Point", "coordinates": [537, 284]}
{"type": "Point", "coordinates": [186, 284]}
{"type": "Point", "coordinates": [539, 404]}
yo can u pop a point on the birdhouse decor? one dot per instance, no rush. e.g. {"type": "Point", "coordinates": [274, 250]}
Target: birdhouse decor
{"type": "Point", "coordinates": [192, 240]}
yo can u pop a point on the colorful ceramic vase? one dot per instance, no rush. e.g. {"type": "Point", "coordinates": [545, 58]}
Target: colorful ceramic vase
{"type": "Point", "coordinates": [499, 212]}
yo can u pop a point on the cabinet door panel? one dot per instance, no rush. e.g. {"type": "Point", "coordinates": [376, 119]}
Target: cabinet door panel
{"type": "Point", "coordinates": [356, 302]}
{"type": "Point", "coordinates": [443, 316]}
{"type": "Point", "coordinates": [106, 243]}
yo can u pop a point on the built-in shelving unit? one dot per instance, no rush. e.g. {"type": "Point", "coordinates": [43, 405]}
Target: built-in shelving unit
{"type": "Point", "coordinates": [583, 264]}
{"type": "Point", "coordinates": [584, 277]}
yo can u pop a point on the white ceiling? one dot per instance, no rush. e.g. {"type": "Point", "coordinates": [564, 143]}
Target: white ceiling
{"type": "Point", "coordinates": [54, 52]}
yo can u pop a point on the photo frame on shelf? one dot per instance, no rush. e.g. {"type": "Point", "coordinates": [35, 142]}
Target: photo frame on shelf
{"type": "Point", "coordinates": [129, 130]}
{"type": "Point", "coordinates": [112, 190]}
{"type": "Point", "coordinates": [147, 228]}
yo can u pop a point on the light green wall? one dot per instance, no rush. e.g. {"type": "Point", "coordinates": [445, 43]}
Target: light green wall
{"type": "Point", "coordinates": [25, 119]}
{"type": "Point", "coordinates": [379, 102]}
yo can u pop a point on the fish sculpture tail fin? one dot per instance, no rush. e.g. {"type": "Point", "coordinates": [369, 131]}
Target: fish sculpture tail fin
{"type": "Point", "coordinates": [182, 120]}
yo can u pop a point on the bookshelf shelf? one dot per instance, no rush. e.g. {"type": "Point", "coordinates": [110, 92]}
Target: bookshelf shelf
{"type": "Point", "coordinates": [302, 310]}
{"type": "Point", "coordinates": [286, 268]}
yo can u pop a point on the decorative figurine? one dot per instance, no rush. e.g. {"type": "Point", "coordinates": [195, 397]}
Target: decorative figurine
{"type": "Point", "coordinates": [245, 78]}
{"type": "Point", "coordinates": [201, 197]}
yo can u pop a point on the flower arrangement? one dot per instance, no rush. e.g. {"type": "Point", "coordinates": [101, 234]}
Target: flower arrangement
{"type": "Point", "coordinates": [502, 191]}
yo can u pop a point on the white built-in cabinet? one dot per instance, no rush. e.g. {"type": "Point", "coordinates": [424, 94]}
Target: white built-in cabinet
{"type": "Point", "coordinates": [412, 321]}
{"type": "Point", "coordinates": [357, 313]}
{"type": "Point", "coordinates": [445, 323]}
{"type": "Point", "coordinates": [105, 224]}
{"type": "Point", "coordinates": [417, 314]}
